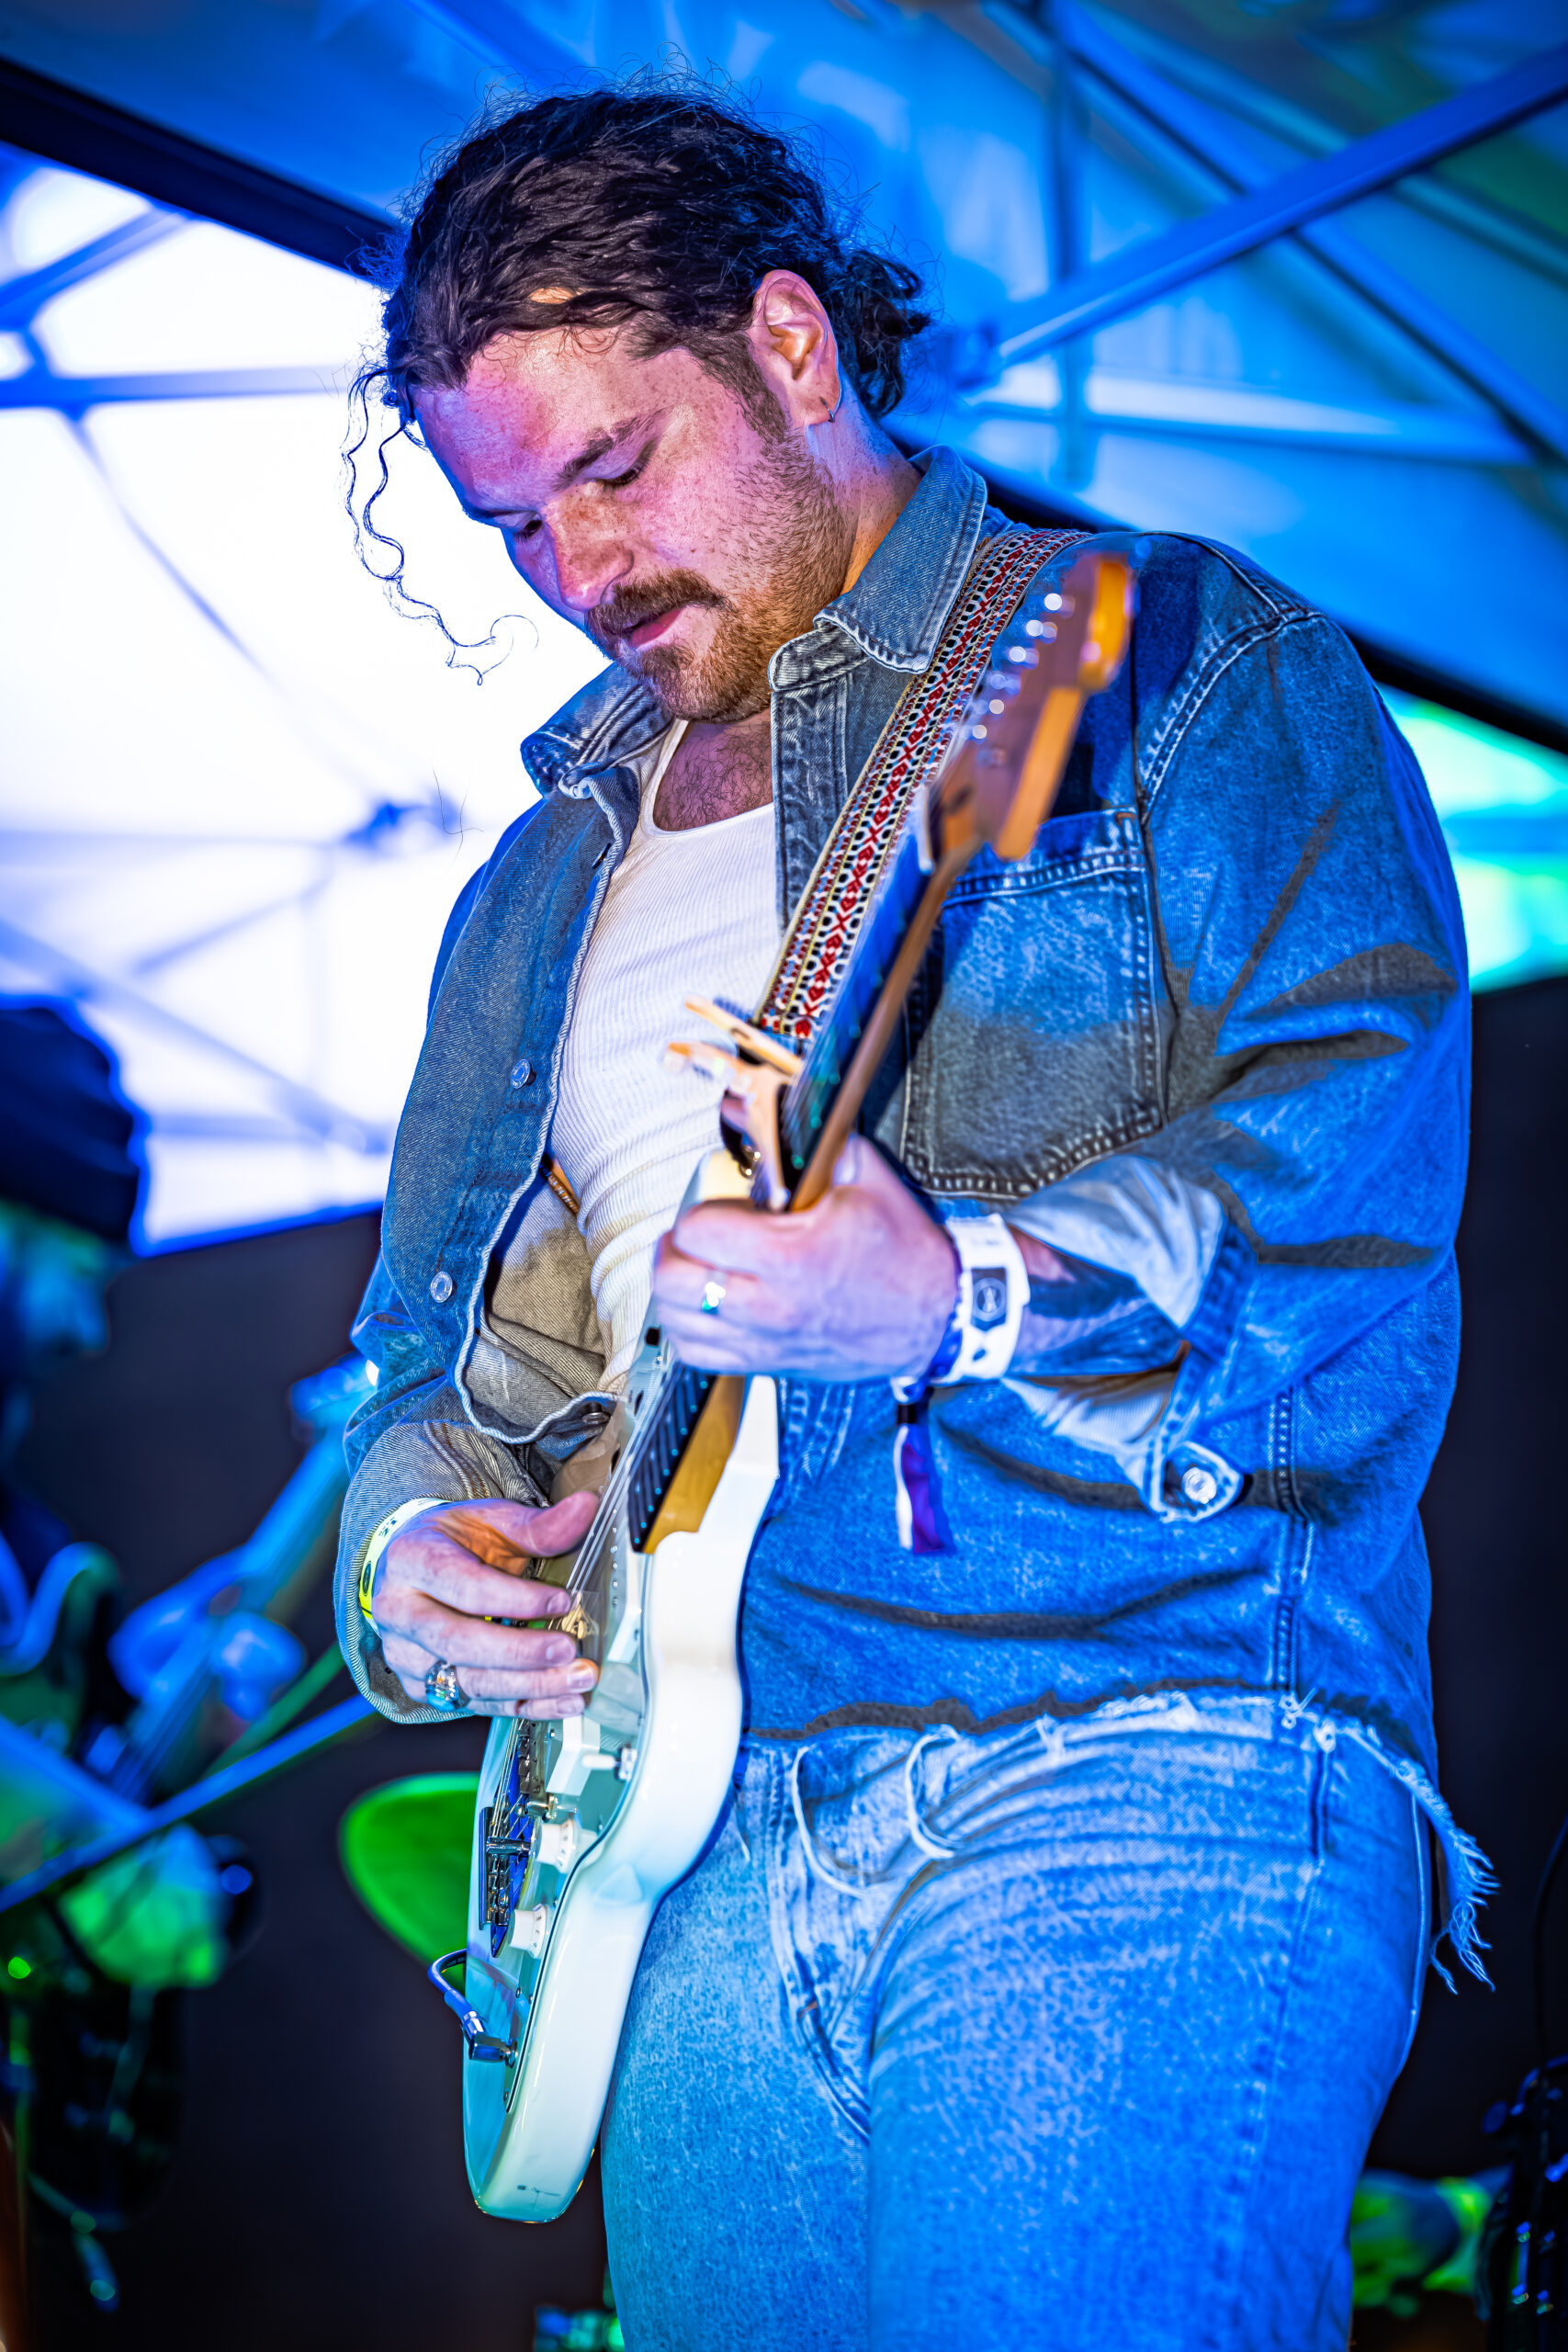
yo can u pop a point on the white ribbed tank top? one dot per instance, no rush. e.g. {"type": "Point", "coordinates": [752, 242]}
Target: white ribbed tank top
{"type": "Point", "coordinates": [692, 913]}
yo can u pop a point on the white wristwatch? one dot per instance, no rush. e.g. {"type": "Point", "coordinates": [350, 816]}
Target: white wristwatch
{"type": "Point", "coordinates": [993, 1290]}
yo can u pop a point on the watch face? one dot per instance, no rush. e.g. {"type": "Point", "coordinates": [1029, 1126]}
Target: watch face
{"type": "Point", "coordinates": [988, 1297]}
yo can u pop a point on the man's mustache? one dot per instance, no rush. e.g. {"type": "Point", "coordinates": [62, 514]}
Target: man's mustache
{"type": "Point", "coordinates": [629, 607]}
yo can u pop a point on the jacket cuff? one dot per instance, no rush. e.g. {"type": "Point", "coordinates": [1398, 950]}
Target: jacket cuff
{"type": "Point", "coordinates": [445, 1461]}
{"type": "Point", "coordinates": [1210, 1329]}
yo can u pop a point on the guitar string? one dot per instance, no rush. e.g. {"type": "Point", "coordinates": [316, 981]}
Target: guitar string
{"type": "Point", "coordinates": [603, 1529]}
{"type": "Point", "coordinates": [603, 1524]}
{"type": "Point", "coordinates": [140, 1761]}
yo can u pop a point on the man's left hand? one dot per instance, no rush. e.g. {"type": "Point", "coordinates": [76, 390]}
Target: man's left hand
{"type": "Point", "coordinates": [859, 1287]}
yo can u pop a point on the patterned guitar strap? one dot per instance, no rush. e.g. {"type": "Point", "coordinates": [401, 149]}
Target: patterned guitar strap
{"type": "Point", "coordinates": [822, 930]}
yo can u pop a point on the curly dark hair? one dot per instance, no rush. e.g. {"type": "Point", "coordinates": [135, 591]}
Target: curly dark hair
{"type": "Point", "coordinates": [655, 205]}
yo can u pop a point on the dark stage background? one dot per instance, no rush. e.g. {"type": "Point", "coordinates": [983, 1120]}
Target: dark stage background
{"type": "Point", "coordinates": [319, 2198]}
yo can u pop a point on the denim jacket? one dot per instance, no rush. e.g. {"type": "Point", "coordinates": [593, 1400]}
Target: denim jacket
{"type": "Point", "coordinates": [1210, 1037]}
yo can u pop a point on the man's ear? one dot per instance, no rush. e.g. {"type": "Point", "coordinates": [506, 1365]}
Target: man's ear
{"type": "Point", "coordinates": [796, 349]}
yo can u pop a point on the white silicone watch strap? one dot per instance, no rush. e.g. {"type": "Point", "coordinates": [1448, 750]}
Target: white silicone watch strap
{"type": "Point", "coordinates": [993, 1290]}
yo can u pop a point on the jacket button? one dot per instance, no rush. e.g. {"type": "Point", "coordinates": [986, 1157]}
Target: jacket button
{"type": "Point", "coordinates": [441, 1287]}
{"type": "Point", "coordinates": [1199, 1486]}
{"type": "Point", "coordinates": [522, 1071]}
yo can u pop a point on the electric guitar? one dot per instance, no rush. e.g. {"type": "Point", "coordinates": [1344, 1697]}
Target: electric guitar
{"type": "Point", "coordinates": [583, 1824]}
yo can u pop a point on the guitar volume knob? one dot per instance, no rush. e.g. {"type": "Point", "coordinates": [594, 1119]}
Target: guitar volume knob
{"type": "Point", "coordinates": [558, 1842]}
{"type": "Point", "coordinates": [530, 1930]}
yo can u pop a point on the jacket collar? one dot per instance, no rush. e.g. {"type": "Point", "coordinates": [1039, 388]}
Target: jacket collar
{"type": "Point", "coordinates": [613, 717]}
{"type": "Point", "coordinates": [896, 609]}
{"type": "Point", "coordinates": [894, 613]}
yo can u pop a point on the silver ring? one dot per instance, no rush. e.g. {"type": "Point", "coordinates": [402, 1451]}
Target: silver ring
{"type": "Point", "coordinates": [713, 1295]}
{"type": "Point", "coordinates": [442, 1690]}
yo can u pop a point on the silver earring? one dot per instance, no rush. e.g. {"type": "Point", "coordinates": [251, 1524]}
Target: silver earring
{"type": "Point", "coordinates": [837, 404]}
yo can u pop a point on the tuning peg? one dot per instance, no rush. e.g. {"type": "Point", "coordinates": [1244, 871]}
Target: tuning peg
{"type": "Point", "coordinates": [1058, 603]}
{"type": "Point", "coordinates": [1045, 631]}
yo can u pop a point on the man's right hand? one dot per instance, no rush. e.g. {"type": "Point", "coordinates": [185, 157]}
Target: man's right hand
{"type": "Point", "coordinates": [449, 1573]}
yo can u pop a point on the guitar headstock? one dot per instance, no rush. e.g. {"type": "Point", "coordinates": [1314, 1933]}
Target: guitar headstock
{"type": "Point", "coordinates": [1065, 641]}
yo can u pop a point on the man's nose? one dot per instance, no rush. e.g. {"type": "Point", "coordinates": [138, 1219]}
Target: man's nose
{"type": "Point", "coordinates": [588, 560]}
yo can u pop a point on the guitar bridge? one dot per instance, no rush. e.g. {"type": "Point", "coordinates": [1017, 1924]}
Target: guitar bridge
{"type": "Point", "coordinates": [508, 1826]}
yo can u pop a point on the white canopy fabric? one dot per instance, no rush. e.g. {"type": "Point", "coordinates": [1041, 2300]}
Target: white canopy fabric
{"type": "Point", "coordinates": [240, 789]}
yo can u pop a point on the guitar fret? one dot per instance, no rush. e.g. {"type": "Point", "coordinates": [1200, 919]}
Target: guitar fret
{"type": "Point", "coordinates": [674, 1417]}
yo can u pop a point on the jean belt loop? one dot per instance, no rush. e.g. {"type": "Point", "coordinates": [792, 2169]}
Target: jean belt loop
{"type": "Point", "coordinates": [1294, 1708]}
{"type": "Point", "coordinates": [814, 1862]}
{"type": "Point", "coordinates": [1052, 1739]}
{"type": "Point", "coordinates": [927, 1844]}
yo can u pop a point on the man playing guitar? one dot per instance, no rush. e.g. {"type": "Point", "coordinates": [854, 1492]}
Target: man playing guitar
{"type": "Point", "coordinates": [1047, 1973]}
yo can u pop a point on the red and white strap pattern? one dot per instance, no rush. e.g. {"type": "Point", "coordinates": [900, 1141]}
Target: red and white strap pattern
{"type": "Point", "coordinates": [822, 929]}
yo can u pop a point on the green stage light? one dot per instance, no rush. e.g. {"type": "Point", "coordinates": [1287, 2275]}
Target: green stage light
{"type": "Point", "coordinates": [1503, 805]}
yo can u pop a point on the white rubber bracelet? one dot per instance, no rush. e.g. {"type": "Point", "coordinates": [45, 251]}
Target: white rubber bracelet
{"type": "Point", "coordinates": [382, 1536]}
{"type": "Point", "coordinates": [993, 1290]}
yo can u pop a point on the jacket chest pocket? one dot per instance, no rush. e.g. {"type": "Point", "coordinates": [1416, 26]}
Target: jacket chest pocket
{"type": "Point", "coordinates": [1035, 1026]}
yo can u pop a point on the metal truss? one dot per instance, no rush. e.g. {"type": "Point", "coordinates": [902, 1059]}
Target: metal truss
{"type": "Point", "coordinates": [303, 1113]}
{"type": "Point", "coordinates": [1246, 101]}
{"type": "Point", "coordinates": [1185, 411]}
{"type": "Point", "coordinates": [1262, 209]}
{"type": "Point", "coordinates": [21, 298]}
{"type": "Point", "coordinates": [1190, 128]}
{"type": "Point", "coordinates": [297, 1112]}
{"type": "Point", "coordinates": [1142, 272]}
{"type": "Point", "coordinates": [40, 387]}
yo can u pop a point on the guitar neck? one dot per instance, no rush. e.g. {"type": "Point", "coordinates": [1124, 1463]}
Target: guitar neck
{"type": "Point", "coordinates": [285, 1554]}
{"type": "Point", "coordinates": [818, 1110]}
{"type": "Point", "coordinates": [998, 785]}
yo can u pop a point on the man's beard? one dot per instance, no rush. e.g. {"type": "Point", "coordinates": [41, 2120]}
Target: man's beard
{"type": "Point", "coordinates": [793, 551]}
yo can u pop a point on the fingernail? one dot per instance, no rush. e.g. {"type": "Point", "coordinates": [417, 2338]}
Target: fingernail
{"type": "Point", "coordinates": [559, 1651]}
{"type": "Point", "coordinates": [584, 1678]}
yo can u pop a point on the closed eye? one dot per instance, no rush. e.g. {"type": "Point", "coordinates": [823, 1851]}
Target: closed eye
{"type": "Point", "coordinates": [621, 481]}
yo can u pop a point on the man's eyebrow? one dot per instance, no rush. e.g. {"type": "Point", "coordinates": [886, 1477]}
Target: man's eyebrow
{"type": "Point", "coordinates": [627, 430]}
{"type": "Point", "coordinates": [601, 443]}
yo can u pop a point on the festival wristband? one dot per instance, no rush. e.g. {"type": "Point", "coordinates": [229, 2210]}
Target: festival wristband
{"type": "Point", "coordinates": [390, 1526]}
{"type": "Point", "coordinates": [993, 1290]}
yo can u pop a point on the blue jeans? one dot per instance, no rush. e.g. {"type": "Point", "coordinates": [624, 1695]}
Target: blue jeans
{"type": "Point", "coordinates": [1060, 2036]}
